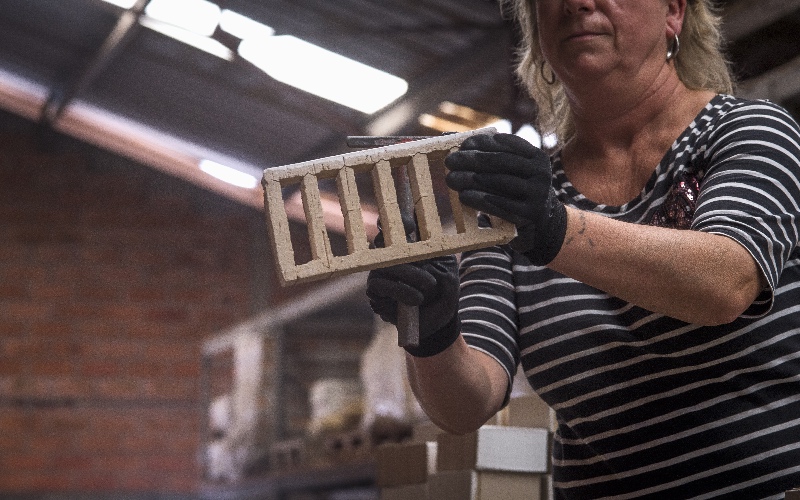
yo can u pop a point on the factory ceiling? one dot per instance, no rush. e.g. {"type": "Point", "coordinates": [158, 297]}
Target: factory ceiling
{"type": "Point", "coordinates": [209, 85]}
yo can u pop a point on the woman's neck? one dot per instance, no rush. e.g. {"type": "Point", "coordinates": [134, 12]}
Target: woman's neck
{"type": "Point", "coordinates": [614, 116]}
{"type": "Point", "coordinates": [621, 137]}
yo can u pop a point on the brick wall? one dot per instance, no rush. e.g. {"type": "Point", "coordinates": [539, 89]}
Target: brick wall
{"type": "Point", "coordinates": [111, 275]}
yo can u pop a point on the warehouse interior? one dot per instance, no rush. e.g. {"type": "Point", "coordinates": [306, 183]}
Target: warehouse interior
{"type": "Point", "coordinates": [148, 349]}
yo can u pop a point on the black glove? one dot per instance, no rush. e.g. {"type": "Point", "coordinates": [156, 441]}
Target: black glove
{"type": "Point", "coordinates": [431, 284]}
{"type": "Point", "coordinates": [506, 176]}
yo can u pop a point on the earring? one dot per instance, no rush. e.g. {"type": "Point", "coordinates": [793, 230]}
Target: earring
{"type": "Point", "coordinates": [552, 79]}
{"type": "Point", "coordinates": [675, 47]}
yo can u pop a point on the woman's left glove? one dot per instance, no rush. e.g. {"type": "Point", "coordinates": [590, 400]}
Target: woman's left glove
{"type": "Point", "coordinates": [430, 284]}
{"type": "Point", "coordinates": [506, 176]}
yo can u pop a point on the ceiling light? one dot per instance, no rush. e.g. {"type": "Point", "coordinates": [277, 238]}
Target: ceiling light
{"type": "Point", "coordinates": [452, 117]}
{"type": "Point", "coordinates": [466, 114]}
{"type": "Point", "coordinates": [125, 4]}
{"type": "Point", "coordinates": [188, 37]}
{"type": "Point", "coordinates": [443, 124]}
{"type": "Point", "coordinates": [550, 141]}
{"type": "Point", "coordinates": [326, 74]}
{"type": "Point", "coordinates": [243, 27]}
{"type": "Point", "coordinates": [197, 16]}
{"type": "Point", "coordinates": [502, 126]}
{"type": "Point", "coordinates": [530, 134]}
{"type": "Point", "coordinates": [228, 174]}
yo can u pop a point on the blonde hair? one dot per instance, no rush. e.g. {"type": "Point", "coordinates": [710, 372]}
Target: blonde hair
{"type": "Point", "coordinates": [700, 63]}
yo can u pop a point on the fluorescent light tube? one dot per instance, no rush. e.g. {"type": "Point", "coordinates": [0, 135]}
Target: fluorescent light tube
{"type": "Point", "coordinates": [242, 26]}
{"type": "Point", "coordinates": [502, 126]}
{"type": "Point", "coordinates": [324, 73]}
{"type": "Point", "coordinates": [125, 4]}
{"type": "Point", "coordinates": [228, 174]}
{"type": "Point", "coordinates": [188, 37]}
{"type": "Point", "coordinates": [198, 16]}
{"type": "Point", "coordinates": [530, 134]}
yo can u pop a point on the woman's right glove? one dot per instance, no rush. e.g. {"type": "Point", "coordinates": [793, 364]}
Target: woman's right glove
{"type": "Point", "coordinates": [430, 284]}
{"type": "Point", "coordinates": [506, 176]}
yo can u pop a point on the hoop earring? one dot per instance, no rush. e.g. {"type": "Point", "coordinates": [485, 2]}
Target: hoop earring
{"type": "Point", "coordinates": [675, 47]}
{"type": "Point", "coordinates": [552, 79]}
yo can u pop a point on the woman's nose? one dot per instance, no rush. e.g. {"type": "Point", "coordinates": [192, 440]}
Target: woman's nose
{"type": "Point", "coordinates": [576, 6]}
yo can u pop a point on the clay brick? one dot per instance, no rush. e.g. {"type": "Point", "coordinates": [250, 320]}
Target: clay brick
{"type": "Point", "coordinates": [115, 349]}
{"type": "Point", "coordinates": [13, 291]}
{"type": "Point", "coordinates": [58, 387]}
{"type": "Point", "coordinates": [13, 439]}
{"type": "Point", "coordinates": [12, 345]}
{"type": "Point", "coordinates": [51, 328]}
{"type": "Point", "coordinates": [100, 368]}
{"type": "Point", "coordinates": [9, 252]}
{"type": "Point", "coordinates": [10, 327]}
{"type": "Point", "coordinates": [10, 366]}
{"type": "Point", "coordinates": [167, 314]}
{"type": "Point", "coordinates": [21, 310]}
{"type": "Point", "coordinates": [140, 388]}
{"type": "Point", "coordinates": [379, 162]}
{"type": "Point", "coordinates": [26, 481]}
{"type": "Point", "coordinates": [163, 368]}
{"type": "Point", "coordinates": [51, 366]}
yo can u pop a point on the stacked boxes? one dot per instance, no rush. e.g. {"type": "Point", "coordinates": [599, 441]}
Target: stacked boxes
{"type": "Point", "coordinates": [511, 462]}
{"type": "Point", "coordinates": [404, 470]}
{"type": "Point", "coordinates": [485, 485]}
{"type": "Point", "coordinates": [527, 411]}
{"type": "Point", "coordinates": [492, 462]}
{"type": "Point", "coordinates": [493, 447]}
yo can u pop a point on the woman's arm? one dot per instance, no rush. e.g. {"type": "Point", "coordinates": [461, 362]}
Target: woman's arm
{"type": "Point", "coordinates": [693, 276]}
{"type": "Point", "coordinates": [459, 388]}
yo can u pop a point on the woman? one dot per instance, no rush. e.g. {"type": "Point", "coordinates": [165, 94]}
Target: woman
{"type": "Point", "coordinates": [652, 294]}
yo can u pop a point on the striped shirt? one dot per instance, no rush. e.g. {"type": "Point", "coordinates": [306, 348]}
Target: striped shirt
{"type": "Point", "coordinates": [647, 405]}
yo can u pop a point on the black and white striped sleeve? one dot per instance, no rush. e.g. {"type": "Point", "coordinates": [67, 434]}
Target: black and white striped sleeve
{"type": "Point", "coordinates": [751, 188]}
{"type": "Point", "coordinates": [487, 307]}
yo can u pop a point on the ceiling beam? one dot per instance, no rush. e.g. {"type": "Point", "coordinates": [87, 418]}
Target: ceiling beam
{"type": "Point", "coordinates": [125, 29]}
{"type": "Point", "coordinates": [326, 294]}
{"type": "Point", "coordinates": [745, 17]}
{"type": "Point", "coordinates": [448, 82]}
{"type": "Point", "coordinates": [778, 85]}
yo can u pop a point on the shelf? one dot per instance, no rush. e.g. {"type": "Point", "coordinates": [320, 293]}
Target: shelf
{"type": "Point", "coordinates": [278, 484]}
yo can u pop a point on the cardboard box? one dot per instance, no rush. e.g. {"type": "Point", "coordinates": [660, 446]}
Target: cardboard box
{"type": "Point", "coordinates": [410, 492]}
{"type": "Point", "coordinates": [405, 464]}
{"type": "Point", "coordinates": [510, 449]}
{"type": "Point", "coordinates": [793, 494]}
{"type": "Point", "coordinates": [425, 431]}
{"type": "Point", "coordinates": [528, 411]}
{"type": "Point", "coordinates": [484, 485]}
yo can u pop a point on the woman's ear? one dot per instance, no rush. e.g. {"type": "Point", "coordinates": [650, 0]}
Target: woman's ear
{"type": "Point", "coordinates": [676, 10]}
